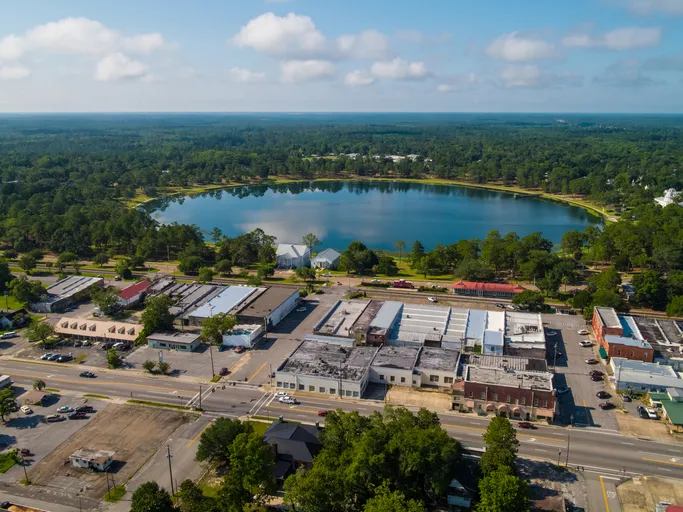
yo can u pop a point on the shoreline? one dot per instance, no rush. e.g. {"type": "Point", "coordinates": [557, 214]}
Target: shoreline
{"type": "Point", "coordinates": [568, 200]}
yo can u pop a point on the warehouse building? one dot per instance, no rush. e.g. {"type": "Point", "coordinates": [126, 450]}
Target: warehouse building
{"type": "Point", "coordinates": [66, 292]}
{"type": "Point", "coordinates": [269, 307]}
{"type": "Point", "coordinates": [224, 302]}
{"type": "Point", "coordinates": [133, 295]}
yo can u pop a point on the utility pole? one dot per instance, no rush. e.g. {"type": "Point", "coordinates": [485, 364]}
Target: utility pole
{"type": "Point", "coordinates": [213, 370]}
{"type": "Point", "coordinates": [23, 464]}
{"type": "Point", "coordinates": [340, 380]}
{"type": "Point", "coordinates": [559, 454]}
{"type": "Point", "coordinates": [200, 396]}
{"type": "Point", "coordinates": [170, 471]}
{"type": "Point", "coordinates": [566, 462]}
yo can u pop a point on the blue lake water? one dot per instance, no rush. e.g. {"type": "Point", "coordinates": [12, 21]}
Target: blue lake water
{"type": "Point", "coordinates": [377, 213]}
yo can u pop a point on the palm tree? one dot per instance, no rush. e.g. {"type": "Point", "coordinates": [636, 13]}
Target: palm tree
{"type": "Point", "coordinates": [400, 246]}
{"type": "Point", "coordinates": [39, 385]}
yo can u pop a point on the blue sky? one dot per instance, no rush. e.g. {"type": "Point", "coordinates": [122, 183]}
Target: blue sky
{"type": "Point", "coordinates": [312, 55]}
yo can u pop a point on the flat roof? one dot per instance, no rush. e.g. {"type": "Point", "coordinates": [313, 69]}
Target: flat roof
{"type": "Point", "coordinates": [224, 302]}
{"type": "Point", "coordinates": [495, 321]}
{"type": "Point", "coordinates": [476, 324]}
{"type": "Point", "coordinates": [418, 323]}
{"type": "Point", "coordinates": [69, 286]}
{"type": "Point", "coordinates": [264, 303]}
{"type": "Point", "coordinates": [510, 378]}
{"type": "Point", "coordinates": [662, 370]}
{"type": "Point", "coordinates": [647, 379]}
{"type": "Point", "coordinates": [341, 317]}
{"type": "Point", "coordinates": [433, 358]}
{"type": "Point", "coordinates": [608, 317]}
{"type": "Point", "coordinates": [629, 342]}
{"type": "Point", "coordinates": [175, 337]}
{"type": "Point", "coordinates": [115, 331]}
{"type": "Point", "coordinates": [671, 331]}
{"type": "Point", "coordinates": [493, 338]}
{"type": "Point", "coordinates": [523, 327]}
{"type": "Point", "coordinates": [402, 358]}
{"type": "Point", "coordinates": [386, 316]}
{"type": "Point", "coordinates": [92, 455]}
{"type": "Point", "coordinates": [508, 362]}
{"type": "Point", "coordinates": [330, 361]}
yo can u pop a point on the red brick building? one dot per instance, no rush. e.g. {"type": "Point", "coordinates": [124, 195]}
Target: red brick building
{"type": "Point", "coordinates": [606, 321]}
{"type": "Point", "coordinates": [614, 342]}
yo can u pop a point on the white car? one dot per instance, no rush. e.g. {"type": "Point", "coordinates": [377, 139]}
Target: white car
{"type": "Point", "coordinates": [651, 413]}
{"type": "Point", "coordinates": [300, 310]}
{"type": "Point", "coordinates": [432, 299]}
{"type": "Point", "coordinates": [281, 394]}
{"type": "Point", "coordinates": [586, 343]}
{"type": "Point", "coordinates": [583, 332]}
{"type": "Point", "coordinates": [288, 400]}
{"type": "Point", "coordinates": [551, 333]}
{"type": "Point", "coordinates": [26, 409]}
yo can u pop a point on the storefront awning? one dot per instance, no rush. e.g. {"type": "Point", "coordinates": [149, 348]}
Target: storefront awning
{"type": "Point", "coordinates": [603, 353]}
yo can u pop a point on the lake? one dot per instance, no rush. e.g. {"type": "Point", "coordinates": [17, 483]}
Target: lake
{"type": "Point", "coordinates": [377, 213]}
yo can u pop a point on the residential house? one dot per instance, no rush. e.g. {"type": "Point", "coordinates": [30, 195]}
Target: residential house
{"type": "Point", "coordinates": [294, 446]}
{"type": "Point", "coordinates": [499, 290]}
{"type": "Point", "coordinates": [87, 458]}
{"type": "Point", "coordinates": [327, 259]}
{"type": "Point", "coordinates": [292, 256]}
{"type": "Point", "coordinates": [13, 318]}
{"type": "Point", "coordinates": [133, 294]}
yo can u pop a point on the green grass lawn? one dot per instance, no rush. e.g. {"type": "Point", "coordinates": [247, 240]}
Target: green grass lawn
{"type": "Point", "coordinates": [115, 494]}
{"type": "Point", "coordinates": [259, 428]}
{"type": "Point", "coordinates": [6, 461]}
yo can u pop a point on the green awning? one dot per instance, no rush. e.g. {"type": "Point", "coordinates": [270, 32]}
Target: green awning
{"type": "Point", "coordinates": [603, 353]}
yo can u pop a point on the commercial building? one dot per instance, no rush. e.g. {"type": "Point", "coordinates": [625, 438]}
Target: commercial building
{"type": "Point", "coordinates": [34, 397]}
{"type": "Point", "coordinates": [327, 259]}
{"type": "Point", "coordinates": [227, 300]}
{"type": "Point", "coordinates": [630, 348]}
{"type": "Point", "coordinates": [514, 387]}
{"type": "Point", "coordinates": [670, 404]}
{"type": "Point", "coordinates": [606, 321]}
{"type": "Point", "coordinates": [437, 367]}
{"type": "Point", "coordinates": [292, 256]}
{"type": "Point", "coordinates": [66, 292]}
{"type": "Point", "coordinates": [243, 335]}
{"type": "Point", "coordinates": [187, 296]}
{"type": "Point", "coordinates": [639, 376]}
{"type": "Point", "coordinates": [394, 365]}
{"type": "Point", "coordinates": [134, 294]}
{"type": "Point", "coordinates": [87, 458]}
{"type": "Point", "coordinates": [97, 330]}
{"type": "Point", "coordinates": [181, 341]}
{"type": "Point", "coordinates": [499, 290]}
{"type": "Point", "coordinates": [524, 335]}
{"type": "Point", "coordinates": [269, 307]}
{"type": "Point", "coordinates": [341, 318]}
{"type": "Point", "coordinates": [326, 368]}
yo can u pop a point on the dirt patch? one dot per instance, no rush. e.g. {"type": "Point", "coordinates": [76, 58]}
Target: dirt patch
{"type": "Point", "coordinates": [431, 399]}
{"type": "Point", "coordinates": [133, 433]}
{"type": "Point", "coordinates": [642, 494]}
{"type": "Point", "coordinates": [551, 488]}
{"type": "Point", "coordinates": [638, 427]}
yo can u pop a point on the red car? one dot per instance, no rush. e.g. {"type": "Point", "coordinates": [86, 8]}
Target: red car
{"type": "Point", "coordinates": [322, 413]}
{"type": "Point", "coordinates": [239, 350]}
{"type": "Point", "coordinates": [224, 371]}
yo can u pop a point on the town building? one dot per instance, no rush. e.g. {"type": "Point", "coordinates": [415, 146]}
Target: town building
{"type": "Point", "coordinates": [514, 387]}
{"type": "Point", "coordinates": [670, 196]}
{"type": "Point", "coordinates": [134, 294]}
{"type": "Point", "coordinates": [498, 290]}
{"type": "Point", "coordinates": [87, 458]}
{"type": "Point", "coordinates": [227, 300]}
{"type": "Point", "coordinates": [606, 321]}
{"type": "Point", "coordinates": [294, 446]}
{"type": "Point", "coordinates": [630, 348]}
{"type": "Point", "coordinates": [524, 335]}
{"type": "Point", "coordinates": [181, 341]}
{"type": "Point", "coordinates": [670, 404]}
{"type": "Point", "coordinates": [327, 259]}
{"type": "Point", "coordinates": [13, 319]}
{"type": "Point", "coordinates": [187, 296]}
{"type": "Point", "coordinates": [394, 366]}
{"type": "Point", "coordinates": [639, 376]}
{"type": "Point", "coordinates": [243, 335]}
{"type": "Point", "coordinates": [269, 307]}
{"type": "Point", "coordinates": [97, 330]}
{"type": "Point", "coordinates": [292, 256]}
{"type": "Point", "coordinates": [437, 367]}
{"type": "Point", "coordinates": [66, 292]}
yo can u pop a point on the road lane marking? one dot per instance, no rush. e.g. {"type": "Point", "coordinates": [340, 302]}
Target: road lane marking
{"type": "Point", "coordinates": [604, 494]}
{"type": "Point", "coordinates": [629, 444]}
{"type": "Point", "coordinates": [257, 372]}
{"type": "Point", "coordinates": [665, 462]}
{"type": "Point", "coordinates": [532, 438]}
{"type": "Point", "coordinates": [293, 409]}
{"type": "Point", "coordinates": [584, 403]}
{"type": "Point", "coordinates": [200, 433]}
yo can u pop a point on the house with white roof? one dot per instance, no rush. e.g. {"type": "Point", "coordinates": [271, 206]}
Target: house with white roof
{"type": "Point", "coordinates": [328, 259]}
{"type": "Point", "coordinates": [292, 256]}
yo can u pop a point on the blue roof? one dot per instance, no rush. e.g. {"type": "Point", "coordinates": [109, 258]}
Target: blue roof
{"type": "Point", "coordinates": [493, 338]}
{"type": "Point", "coordinates": [629, 342]}
{"type": "Point", "coordinates": [224, 301]}
{"type": "Point", "coordinates": [476, 324]}
{"type": "Point", "coordinates": [386, 315]}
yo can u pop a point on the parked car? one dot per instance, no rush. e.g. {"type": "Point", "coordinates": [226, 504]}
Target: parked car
{"type": "Point", "coordinates": [26, 409]}
{"type": "Point", "coordinates": [432, 299]}
{"type": "Point", "coordinates": [596, 377]}
{"type": "Point", "coordinates": [85, 408]}
{"type": "Point", "coordinates": [224, 371]}
{"type": "Point", "coordinates": [53, 357]}
{"type": "Point", "coordinates": [526, 424]}
{"type": "Point", "coordinates": [499, 305]}
{"type": "Point", "coordinates": [583, 332]}
{"type": "Point", "coordinates": [117, 345]}
{"type": "Point", "coordinates": [77, 415]}
{"type": "Point", "coordinates": [592, 360]}
{"type": "Point", "coordinates": [239, 350]}
{"type": "Point", "coordinates": [596, 372]}
{"type": "Point", "coordinates": [54, 418]}
{"type": "Point", "coordinates": [117, 278]}
{"type": "Point", "coordinates": [605, 406]}
{"type": "Point", "coordinates": [77, 343]}
{"type": "Point", "coordinates": [46, 356]}
{"type": "Point", "coordinates": [65, 409]}
{"type": "Point", "coordinates": [65, 358]}
{"type": "Point", "coordinates": [642, 412]}
{"type": "Point", "coordinates": [551, 333]}
{"type": "Point", "coordinates": [87, 375]}
{"type": "Point", "coordinates": [9, 335]}
{"type": "Point", "coordinates": [86, 343]}
{"type": "Point", "coordinates": [301, 309]}
{"type": "Point", "coordinates": [322, 413]}
{"type": "Point", "coordinates": [562, 390]}
{"type": "Point", "coordinates": [626, 398]}
{"type": "Point", "coordinates": [586, 343]}
{"type": "Point", "coordinates": [651, 413]}
{"type": "Point", "coordinates": [603, 395]}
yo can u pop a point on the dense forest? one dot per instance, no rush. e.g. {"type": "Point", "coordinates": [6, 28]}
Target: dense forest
{"type": "Point", "coordinates": [65, 180]}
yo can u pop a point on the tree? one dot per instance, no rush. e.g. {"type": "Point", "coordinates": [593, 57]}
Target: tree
{"type": "Point", "coordinates": [502, 491]}
{"type": "Point", "coordinates": [8, 402]}
{"type": "Point", "coordinates": [105, 299]}
{"type": "Point", "coordinates": [5, 275]}
{"type": "Point", "coordinates": [27, 263]}
{"type": "Point", "coordinates": [149, 497]}
{"type": "Point", "coordinates": [216, 235]}
{"type": "Point", "coordinates": [156, 316]}
{"type": "Point", "coordinates": [400, 246]}
{"type": "Point", "coordinates": [265, 271]}
{"type": "Point", "coordinates": [253, 461]}
{"type": "Point", "coordinates": [205, 275]}
{"type": "Point", "coordinates": [387, 266]}
{"type": "Point", "coordinates": [501, 446]}
{"type": "Point", "coordinates": [675, 307]}
{"type": "Point", "coordinates": [101, 259]}
{"type": "Point", "coordinates": [223, 267]}
{"type": "Point", "coordinates": [254, 280]}
{"type": "Point", "coordinates": [305, 273]}
{"type": "Point", "coordinates": [473, 270]}
{"type": "Point", "coordinates": [148, 365]}
{"type": "Point", "coordinates": [39, 330]}
{"type": "Point", "coordinates": [215, 326]}
{"type": "Point", "coordinates": [386, 501]}
{"type": "Point", "coordinates": [39, 385]}
{"type": "Point", "coordinates": [310, 241]}
{"type": "Point", "coordinates": [215, 441]}
{"type": "Point", "coordinates": [650, 289]}
{"type": "Point", "coordinates": [189, 264]}
{"type": "Point", "coordinates": [232, 496]}
{"type": "Point", "coordinates": [191, 498]}
{"type": "Point", "coordinates": [26, 291]}
{"type": "Point", "coordinates": [113, 358]}
{"type": "Point", "coordinates": [164, 367]}
{"type": "Point", "coordinates": [572, 243]}
{"type": "Point", "coordinates": [123, 269]}
{"type": "Point", "coordinates": [530, 300]}
{"type": "Point", "coordinates": [417, 253]}
{"type": "Point", "coordinates": [357, 259]}
{"type": "Point", "coordinates": [67, 257]}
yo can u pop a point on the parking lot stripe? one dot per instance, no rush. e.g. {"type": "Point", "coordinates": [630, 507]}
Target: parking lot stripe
{"type": "Point", "coordinates": [257, 371]}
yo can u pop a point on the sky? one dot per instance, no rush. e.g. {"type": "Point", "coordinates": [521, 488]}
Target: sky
{"type": "Point", "coordinates": [607, 56]}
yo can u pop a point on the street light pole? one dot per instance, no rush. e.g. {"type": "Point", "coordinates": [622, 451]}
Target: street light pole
{"type": "Point", "coordinates": [213, 370]}
{"type": "Point", "coordinates": [555, 356]}
{"type": "Point", "coordinates": [559, 454]}
{"type": "Point", "coordinates": [566, 461]}
{"type": "Point", "coordinates": [170, 470]}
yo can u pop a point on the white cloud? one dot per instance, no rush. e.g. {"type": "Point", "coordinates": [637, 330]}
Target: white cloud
{"type": "Point", "coordinates": [532, 76]}
{"type": "Point", "coordinates": [358, 78]}
{"type": "Point", "coordinates": [11, 48]}
{"type": "Point", "coordinates": [673, 7]}
{"type": "Point", "coordinates": [245, 76]}
{"type": "Point", "coordinates": [400, 68]}
{"type": "Point", "coordinates": [516, 47]}
{"type": "Point", "coordinates": [305, 70]}
{"type": "Point", "coordinates": [369, 44]}
{"type": "Point", "coordinates": [281, 35]}
{"type": "Point", "coordinates": [458, 82]}
{"type": "Point", "coordinates": [445, 88]}
{"type": "Point", "coordinates": [14, 72]}
{"type": "Point", "coordinates": [117, 67]}
{"type": "Point", "coordinates": [619, 39]}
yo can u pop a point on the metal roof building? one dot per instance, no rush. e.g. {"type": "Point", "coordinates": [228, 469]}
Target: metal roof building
{"type": "Point", "coordinates": [224, 302]}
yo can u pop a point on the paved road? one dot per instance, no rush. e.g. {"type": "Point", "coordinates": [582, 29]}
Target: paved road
{"type": "Point", "coordinates": [599, 451]}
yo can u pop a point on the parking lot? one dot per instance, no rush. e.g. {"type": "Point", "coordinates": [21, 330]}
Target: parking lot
{"type": "Point", "coordinates": [41, 438]}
